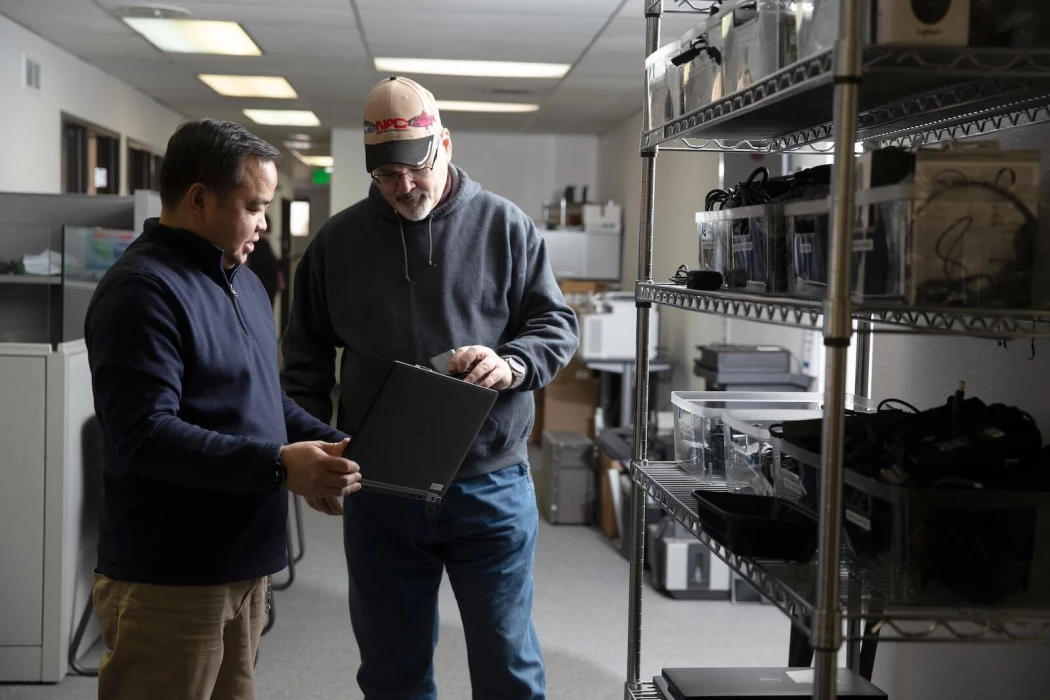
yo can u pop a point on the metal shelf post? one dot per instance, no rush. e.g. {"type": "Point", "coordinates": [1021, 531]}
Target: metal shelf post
{"type": "Point", "coordinates": [838, 329]}
{"type": "Point", "coordinates": [641, 377]}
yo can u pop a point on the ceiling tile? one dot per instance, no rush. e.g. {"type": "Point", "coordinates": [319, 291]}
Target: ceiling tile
{"type": "Point", "coordinates": [544, 8]}
{"type": "Point", "coordinates": [447, 35]}
{"type": "Point", "coordinates": [317, 43]}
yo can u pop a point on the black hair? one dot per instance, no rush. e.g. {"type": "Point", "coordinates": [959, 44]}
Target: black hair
{"type": "Point", "coordinates": [210, 152]}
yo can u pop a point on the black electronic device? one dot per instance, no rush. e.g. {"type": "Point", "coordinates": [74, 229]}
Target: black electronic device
{"type": "Point", "coordinates": [745, 358]}
{"type": "Point", "coordinates": [702, 280]}
{"type": "Point", "coordinates": [756, 684]}
{"type": "Point", "coordinates": [417, 432]}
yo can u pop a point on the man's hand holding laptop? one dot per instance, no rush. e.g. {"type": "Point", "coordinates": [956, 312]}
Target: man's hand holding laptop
{"type": "Point", "coordinates": [318, 469]}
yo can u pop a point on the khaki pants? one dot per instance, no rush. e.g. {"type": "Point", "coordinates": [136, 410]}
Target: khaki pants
{"type": "Point", "coordinates": [179, 642]}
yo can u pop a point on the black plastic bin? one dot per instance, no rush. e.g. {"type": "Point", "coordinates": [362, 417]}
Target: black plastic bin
{"type": "Point", "coordinates": [760, 527]}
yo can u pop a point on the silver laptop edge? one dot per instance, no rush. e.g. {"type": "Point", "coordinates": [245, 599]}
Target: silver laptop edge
{"type": "Point", "coordinates": [428, 496]}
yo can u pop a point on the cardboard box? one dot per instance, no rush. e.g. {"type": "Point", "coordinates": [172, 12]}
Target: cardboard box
{"type": "Point", "coordinates": [575, 372]}
{"type": "Point", "coordinates": [570, 406]}
{"type": "Point", "coordinates": [607, 520]}
{"type": "Point", "coordinates": [577, 292]}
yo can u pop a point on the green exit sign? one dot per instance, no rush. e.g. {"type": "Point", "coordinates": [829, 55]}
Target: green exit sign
{"type": "Point", "coordinates": [322, 176]}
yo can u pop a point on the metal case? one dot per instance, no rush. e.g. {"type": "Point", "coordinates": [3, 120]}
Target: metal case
{"type": "Point", "coordinates": [565, 480]}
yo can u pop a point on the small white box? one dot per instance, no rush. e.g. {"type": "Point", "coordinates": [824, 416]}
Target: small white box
{"type": "Point", "coordinates": [945, 22]}
{"type": "Point", "coordinates": [602, 217]}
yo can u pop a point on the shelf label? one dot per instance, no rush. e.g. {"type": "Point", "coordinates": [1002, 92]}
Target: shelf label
{"type": "Point", "coordinates": [805, 248]}
{"type": "Point", "coordinates": [742, 244]}
{"type": "Point", "coordinates": [863, 245]}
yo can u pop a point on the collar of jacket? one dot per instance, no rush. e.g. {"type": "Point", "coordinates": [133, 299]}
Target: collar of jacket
{"type": "Point", "coordinates": [199, 252]}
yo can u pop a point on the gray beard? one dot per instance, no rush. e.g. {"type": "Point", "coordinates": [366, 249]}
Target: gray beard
{"type": "Point", "coordinates": [414, 207]}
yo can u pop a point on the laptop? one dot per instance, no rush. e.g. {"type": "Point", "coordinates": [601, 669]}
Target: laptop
{"type": "Point", "coordinates": [417, 432]}
{"type": "Point", "coordinates": [755, 684]}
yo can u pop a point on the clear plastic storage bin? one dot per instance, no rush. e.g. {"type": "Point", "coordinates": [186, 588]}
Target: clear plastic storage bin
{"type": "Point", "coordinates": [950, 244]}
{"type": "Point", "coordinates": [807, 226]}
{"type": "Point", "coordinates": [751, 463]}
{"type": "Point", "coordinates": [663, 86]}
{"type": "Point", "coordinates": [970, 244]}
{"type": "Point", "coordinates": [711, 231]}
{"type": "Point", "coordinates": [760, 37]}
{"type": "Point", "coordinates": [701, 62]}
{"type": "Point", "coordinates": [753, 244]}
{"type": "Point", "coordinates": [818, 25]}
{"type": "Point", "coordinates": [699, 443]}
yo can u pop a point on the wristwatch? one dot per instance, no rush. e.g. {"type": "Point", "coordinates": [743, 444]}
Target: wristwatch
{"type": "Point", "coordinates": [279, 472]}
{"type": "Point", "coordinates": [517, 370]}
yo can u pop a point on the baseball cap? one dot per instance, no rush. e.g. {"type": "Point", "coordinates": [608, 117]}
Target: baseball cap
{"type": "Point", "coordinates": [401, 124]}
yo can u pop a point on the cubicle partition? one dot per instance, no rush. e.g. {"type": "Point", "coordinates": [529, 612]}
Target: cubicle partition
{"type": "Point", "coordinates": [50, 457]}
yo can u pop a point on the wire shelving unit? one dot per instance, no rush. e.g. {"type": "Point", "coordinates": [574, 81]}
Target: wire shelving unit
{"type": "Point", "coordinates": [855, 93]}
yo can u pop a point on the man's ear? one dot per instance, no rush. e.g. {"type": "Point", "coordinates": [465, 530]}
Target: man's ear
{"type": "Point", "coordinates": [446, 143]}
{"type": "Point", "coordinates": [196, 196]}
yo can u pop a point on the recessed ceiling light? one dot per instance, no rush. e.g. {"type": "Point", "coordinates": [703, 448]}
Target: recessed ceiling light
{"type": "Point", "coordinates": [505, 107]}
{"type": "Point", "coordinates": [299, 145]}
{"type": "Point", "coordinates": [268, 86]}
{"type": "Point", "coordinates": [486, 69]}
{"type": "Point", "coordinates": [315, 161]}
{"type": "Point", "coordinates": [283, 117]}
{"type": "Point", "coordinates": [299, 137]}
{"type": "Point", "coordinates": [195, 36]}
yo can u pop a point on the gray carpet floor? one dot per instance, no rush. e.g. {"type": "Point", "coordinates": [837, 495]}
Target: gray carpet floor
{"type": "Point", "coordinates": [580, 614]}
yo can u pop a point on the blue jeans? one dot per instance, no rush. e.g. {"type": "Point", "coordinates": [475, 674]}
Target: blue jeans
{"type": "Point", "coordinates": [484, 534]}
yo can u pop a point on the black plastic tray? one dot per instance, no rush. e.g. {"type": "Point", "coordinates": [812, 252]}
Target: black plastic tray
{"type": "Point", "coordinates": [760, 527]}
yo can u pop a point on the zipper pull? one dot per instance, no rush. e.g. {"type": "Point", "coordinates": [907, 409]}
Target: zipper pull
{"type": "Point", "coordinates": [233, 291]}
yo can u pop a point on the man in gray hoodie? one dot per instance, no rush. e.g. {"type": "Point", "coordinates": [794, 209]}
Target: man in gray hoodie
{"type": "Point", "coordinates": [429, 262]}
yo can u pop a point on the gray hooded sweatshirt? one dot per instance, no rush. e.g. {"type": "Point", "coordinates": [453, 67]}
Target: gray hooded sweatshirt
{"type": "Point", "coordinates": [384, 289]}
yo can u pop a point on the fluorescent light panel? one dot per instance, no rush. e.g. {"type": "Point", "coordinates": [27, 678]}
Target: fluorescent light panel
{"type": "Point", "coordinates": [500, 107]}
{"type": "Point", "coordinates": [195, 36]}
{"type": "Point", "coordinates": [482, 69]}
{"type": "Point", "coordinates": [268, 86]}
{"type": "Point", "coordinates": [283, 117]}
{"type": "Point", "coordinates": [315, 161]}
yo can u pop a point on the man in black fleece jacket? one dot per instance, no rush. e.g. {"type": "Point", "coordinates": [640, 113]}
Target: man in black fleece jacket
{"type": "Point", "coordinates": [196, 431]}
{"type": "Point", "coordinates": [430, 262]}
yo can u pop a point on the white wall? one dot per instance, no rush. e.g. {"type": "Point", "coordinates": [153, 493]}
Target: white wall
{"type": "Point", "coordinates": [33, 121]}
{"type": "Point", "coordinates": [525, 168]}
{"type": "Point", "coordinates": [350, 180]}
{"type": "Point", "coordinates": [682, 182]}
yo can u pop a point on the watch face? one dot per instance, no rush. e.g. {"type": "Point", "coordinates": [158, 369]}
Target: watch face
{"type": "Point", "coordinates": [516, 365]}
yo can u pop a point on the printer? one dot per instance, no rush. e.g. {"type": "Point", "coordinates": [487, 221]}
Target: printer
{"type": "Point", "coordinates": [608, 328]}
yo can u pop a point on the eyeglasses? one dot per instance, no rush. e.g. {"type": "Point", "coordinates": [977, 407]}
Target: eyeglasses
{"type": "Point", "coordinates": [417, 175]}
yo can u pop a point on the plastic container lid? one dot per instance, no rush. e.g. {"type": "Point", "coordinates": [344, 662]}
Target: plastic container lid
{"type": "Point", "coordinates": [713, 403]}
{"type": "Point", "coordinates": [756, 422]}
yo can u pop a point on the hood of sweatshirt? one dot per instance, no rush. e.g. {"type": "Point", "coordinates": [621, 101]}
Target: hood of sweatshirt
{"type": "Point", "coordinates": [460, 191]}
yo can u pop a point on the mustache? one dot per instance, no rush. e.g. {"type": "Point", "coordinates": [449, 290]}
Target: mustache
{"type": "Point", "coordinates": [411, 196]}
